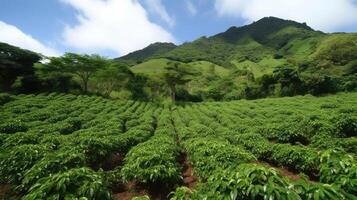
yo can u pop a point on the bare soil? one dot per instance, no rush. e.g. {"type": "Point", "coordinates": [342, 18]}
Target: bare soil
{"type": "Point", "coordinates": [189, 180]}
{"type": "Point", "coordinates": [114, 160]}
{"type": "Point", "coordinates": [156, 191]}
{"type": "Point", "coordinates": [130, 190]}
{"type": "Point", "coordinates": [6, 191]}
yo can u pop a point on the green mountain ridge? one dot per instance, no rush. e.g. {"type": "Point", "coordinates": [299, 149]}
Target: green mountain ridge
{"type": "Point", "coordinates": [152, 50]}
{"type": "Point", "coordinates": [262, 45]}
{"type": "Point", "coordinates": [268, 34]}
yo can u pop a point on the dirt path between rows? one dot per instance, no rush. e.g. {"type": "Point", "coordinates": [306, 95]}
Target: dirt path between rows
{"type": "Point", "coordinates": [189, 180]}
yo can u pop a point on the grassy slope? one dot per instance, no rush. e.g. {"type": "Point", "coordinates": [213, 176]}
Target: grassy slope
{"type": "Point", "coordinates": [157, 66]}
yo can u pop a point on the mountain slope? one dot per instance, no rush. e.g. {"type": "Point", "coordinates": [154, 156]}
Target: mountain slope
{"type": "Point", "coordinates": [259, 47]}
{"type": "Point", "coordinates": [253, 42]}
{"type": "Point", "coordinates": [150, 51]}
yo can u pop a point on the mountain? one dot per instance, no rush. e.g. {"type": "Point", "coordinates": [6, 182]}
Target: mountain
{"type": "Point", "coordinates": [260, 30]}
{"type": "Point", "coordinates": [259, 47]}
{"type": "Point", "coordinates": [253, 42]}
{"type": "Point", "coordinates": [264, 38]}
{"type": "Point", "coordinates": [150, 51]}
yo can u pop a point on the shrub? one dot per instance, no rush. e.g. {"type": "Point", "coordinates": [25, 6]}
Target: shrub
{"type": "Point", "coordinates": [297, 158]}
{"type": "Point", "coordinates": [338, 168]}
{"type": "Point", "coordinates": [18, 139]}
{"type": "Point", "coordinates": [82, 183]}
{"type": "Point", "coordinates": [4, 98]}
{"type": "Point", "coordinates": [13, 127]}
{"type": "Point", "coordinates": [19, 160]}
{"type": "Point", "coordinates": [208, 155]}
{"type": "Point", "coordinates": [149, 162]}
{"type": "Point", "coordinates": [319, 191]}
{"type": "Point", "coordinates": [52, 164]}
{"type": "Point", "coordinates": [95, 149]}
{"type": "Point", "coordinates": [346, 125]}
{"type": "Point", "coordinates": [247, 181]}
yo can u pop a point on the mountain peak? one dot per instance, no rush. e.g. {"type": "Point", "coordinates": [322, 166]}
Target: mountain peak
{"type": "Point", "coordinates": [260, 29]}
{"type": "Point", "coordinates": [281, 22]}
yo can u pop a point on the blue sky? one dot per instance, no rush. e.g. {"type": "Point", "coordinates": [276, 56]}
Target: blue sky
{"type": "Point", "coordinates": [117, 27]}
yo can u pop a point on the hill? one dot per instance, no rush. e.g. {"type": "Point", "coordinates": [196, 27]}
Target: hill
{"type": "Point", "coordinates": [155, 67]}
{"type": "Point", "coordinates": [262, 46]}
{"type": "Point", "coordinates": [253, 54]}
{"type": "Point", "coordinates": [150, 51]}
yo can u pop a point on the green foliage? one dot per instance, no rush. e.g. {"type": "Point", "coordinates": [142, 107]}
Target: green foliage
{"type": "Point", "coordinates": [15, 163]}
{"type": "Point", "coordinates": [148, 162]}
{"type": "Point", "coordinates": [207, 147]}
{"type": "Point", "coordinates": [4, 98]}
{"type": "Point", "coordinates": [339, 49]}
{"type": "Point", "coordinates": [81, 66]}
{"type": "Point", "coordinates": [20, 138]}
{"type": "Point", "coordinates": [295, 157]}
{"type": "Point", "coordinates": [72, 184]}
{"type": "Point", "coordinates": [112, 77]}
{"type": "Point", "coordinates": [151, 51]}
{"type": "Point", "coordinates": [15, 62]}
{"type": "Point", "coordinates": [317, 191]}
{"type": "Point", "coordinates": [13, 127]}
{"type": "Point", "coordinates": [52, 164]}
{"type": "Point", "coordinates": [339, 169]}
{"type": "Point", "coordinates": [247, 181]}
{"type": "Point", "coordinates": [181, 193]}
{"type": "Point", "coordinates": [346, 125]}
{"type": "Point", "coordinates": [204, 151]}
{"type": "Point", "coordinates": [176, 74]}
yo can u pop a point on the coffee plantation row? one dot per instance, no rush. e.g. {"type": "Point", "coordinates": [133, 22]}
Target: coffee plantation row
{"type": "Point", "coordinates": [62, 146]}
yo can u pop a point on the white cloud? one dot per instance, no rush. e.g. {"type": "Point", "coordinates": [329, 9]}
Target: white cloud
{"type": "Point", "coordinates": [12, 35]}
{"type": "Point", "coordinates": [156, 7]}
{"type": "Point", "coordinates": [325, 15]}
{"type": "Point", "coordinates": [121, 26]}
{"type": "Point", "coordinates": [191, 8]}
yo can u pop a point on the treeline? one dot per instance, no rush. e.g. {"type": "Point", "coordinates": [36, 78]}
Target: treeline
{"type": "Point", "coordinates": [285, 80]}
{"type": "Point", "coordinates": [24, 71]}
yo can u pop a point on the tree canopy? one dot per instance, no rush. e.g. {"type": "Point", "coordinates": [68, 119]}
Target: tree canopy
{"type": "Point", "coordinates": [15, 62]}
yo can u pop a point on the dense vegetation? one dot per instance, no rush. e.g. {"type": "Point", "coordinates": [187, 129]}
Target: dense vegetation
{"type": "Point", "coordinates": [63, 146]}
{"type": "Point", "coordinates": [268, 58]}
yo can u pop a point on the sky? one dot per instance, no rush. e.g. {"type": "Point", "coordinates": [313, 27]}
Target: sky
{"type": "Point", "coordinates": [113, 28]}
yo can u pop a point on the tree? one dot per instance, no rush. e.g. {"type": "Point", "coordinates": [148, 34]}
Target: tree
{"type": "Point", "coordinates": [288, 77]}
{"type": "Point", "coordinates": [112, 76]}
{"type": "Point", "coordinates": [15, 62]}
{"type": "Point", "coordinates": [54, 80]}
{"type": "Point", "coordinates": [176, 74]}
{"type": "Point", "coordinates": [136, 86]}
{"type": "Point", "coordinates": [81, 66]}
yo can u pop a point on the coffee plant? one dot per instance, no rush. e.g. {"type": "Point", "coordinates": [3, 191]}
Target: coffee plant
{"type": "Point", "coordinates": [64, 146]}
